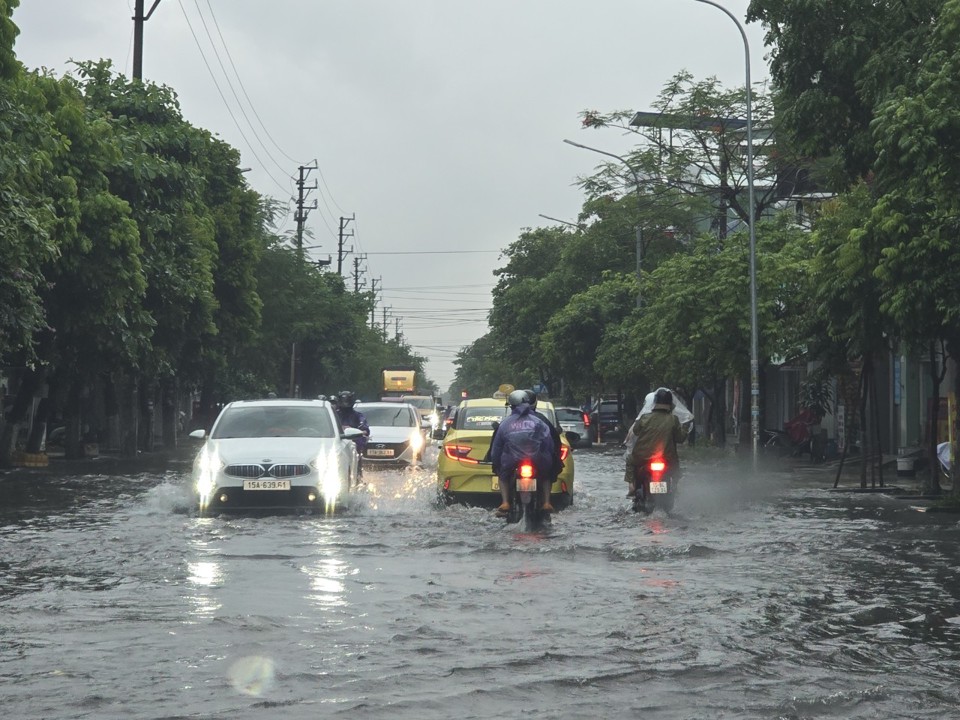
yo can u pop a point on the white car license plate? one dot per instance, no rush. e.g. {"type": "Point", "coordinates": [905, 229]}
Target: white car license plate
{"type": "Point", "coordinates": [659, 488]}
{"type": "Point", "coordinates": [266, 484]}
{"type": "Point", "coordinates": [380, 452]}
{"type": "Point", "coordinates": [495, 484]}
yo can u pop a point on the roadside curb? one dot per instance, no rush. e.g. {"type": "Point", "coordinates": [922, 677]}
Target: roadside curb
{"type": "Point", "coordinates": [103, 464]}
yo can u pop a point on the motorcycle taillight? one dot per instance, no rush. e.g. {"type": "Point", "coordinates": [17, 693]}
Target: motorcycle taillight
{"type": "Point", "coordinates": [526, 470]}
{"type": "Point", "coordinates": [656, 469]}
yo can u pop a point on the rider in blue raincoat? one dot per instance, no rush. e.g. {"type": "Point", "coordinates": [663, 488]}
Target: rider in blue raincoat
{"type": "Point", "coordinates": [523, 435]}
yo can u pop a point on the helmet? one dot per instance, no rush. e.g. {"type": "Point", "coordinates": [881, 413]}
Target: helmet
{"type": "Point", "coordinates": [346, 399]}
{"type": "Point", "coordinates": [531, 398]}
{"type": "Point", "coordinates": [663, 397]}
{"type": "Point", "coordinates": [517, 398]}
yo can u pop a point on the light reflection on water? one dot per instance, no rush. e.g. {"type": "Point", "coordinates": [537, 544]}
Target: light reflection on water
{"type": "Point", "coordinates": [778, 601]}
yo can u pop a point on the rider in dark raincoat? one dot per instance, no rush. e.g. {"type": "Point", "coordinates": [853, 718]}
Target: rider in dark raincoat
{"type": "Point", "coordinates": [523, 435]}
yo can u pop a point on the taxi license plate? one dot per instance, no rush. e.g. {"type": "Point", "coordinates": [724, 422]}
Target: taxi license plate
{"type": "Point", "coordinates": [495, 484]}
{"type": "Point", "coordinates": [266, 484]}
{"type": "Point", "coordinates": [380, 452]}
{"type": "Point", "coordinates": [659, 488]}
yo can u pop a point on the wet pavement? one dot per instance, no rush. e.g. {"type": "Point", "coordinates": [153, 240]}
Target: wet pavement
{"type": "Point", "coordinates": [760, 597]}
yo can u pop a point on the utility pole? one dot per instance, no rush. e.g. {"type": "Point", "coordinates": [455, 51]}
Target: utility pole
{"type": "Point", "coordinates": [396, 329]}
{"type": "Point", "coordinates": [341, 254]}
{"type": "Point", "coordinates": [357, 272]}
{"type": "Point", "coordinates": [373, 307]}
{"type": "Point", "coordinates": [301, 217]}
{"type": "Point", "coordinates": [303, 210]}
{"type": "Point", "coordinates": [138, 20]}
{"type": "Point", "coordinates": [385, 308]}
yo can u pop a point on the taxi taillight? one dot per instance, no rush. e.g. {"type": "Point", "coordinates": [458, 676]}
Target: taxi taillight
{"type": "Point", "coordinates": [459, 453]}
{"type": "Point", "coordinates": [564, 452]}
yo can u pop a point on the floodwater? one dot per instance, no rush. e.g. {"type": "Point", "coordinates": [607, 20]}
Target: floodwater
{"type": "Point", "coordinates": [772, 598]}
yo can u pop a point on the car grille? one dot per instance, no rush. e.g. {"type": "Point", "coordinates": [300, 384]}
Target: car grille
{"type": "Point", "coordinates": [244, 471]}
{"type": "Point", "coordinates": [285, 471]}
{"type": "Point", "coordinates": [258, 471]}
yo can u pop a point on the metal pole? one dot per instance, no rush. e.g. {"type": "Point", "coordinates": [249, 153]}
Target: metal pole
{"type": "Point", "coordinates": [754, 352]}
{"type": "Point", "coordinates": [139, 18]}
{"type": "Point", "coordinates": [636, 181]}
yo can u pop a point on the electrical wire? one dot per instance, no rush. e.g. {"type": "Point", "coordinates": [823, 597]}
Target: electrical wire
{"type": "Point", "coordinates": [240, 82]}
{"type": "Point", "coordinates": [226, 104]}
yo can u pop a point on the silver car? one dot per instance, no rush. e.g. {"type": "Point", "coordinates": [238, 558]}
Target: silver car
{"type": "Point", "coordinates": [575, 420]}
{"type": "Point", "coordinates": [274, 455]}
{"type": "Point", "coordinates": [396, 433]}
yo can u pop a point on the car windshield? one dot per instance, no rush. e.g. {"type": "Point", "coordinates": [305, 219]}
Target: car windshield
{"type": "Point", "coordinates": [423, 403]}
{"type": "Point", "coordinates": [569, 415]}
{"type": "Point", "coordinates": [480, 417]}
{"type": "Point", "coordinates": [274, 421]}
{"type": "Point", "coordinates": [387, 416]}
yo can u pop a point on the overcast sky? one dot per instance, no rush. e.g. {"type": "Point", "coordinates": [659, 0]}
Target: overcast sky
{"type": "Point", "coordinates": [437, 123]}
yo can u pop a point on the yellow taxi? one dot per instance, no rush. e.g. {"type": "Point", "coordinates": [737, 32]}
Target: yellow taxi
{"type": "Point", "coordinates": [464, 471]}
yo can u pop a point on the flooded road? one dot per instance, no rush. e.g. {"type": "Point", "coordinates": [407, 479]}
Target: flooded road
{"type": "Point", "coordinates": [767, 599]}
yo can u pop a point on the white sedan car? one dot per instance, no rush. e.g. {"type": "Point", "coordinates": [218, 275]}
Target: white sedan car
{"type": "Point", "coordinates": [275, 455]}
{"type": "Point", "coordinates": [396, 434]}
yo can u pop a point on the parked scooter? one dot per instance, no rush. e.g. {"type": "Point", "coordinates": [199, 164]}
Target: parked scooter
{"type": "Point", "coordinates": [656, 486]}
{"type": "Point", "coordinates": [796, 438]}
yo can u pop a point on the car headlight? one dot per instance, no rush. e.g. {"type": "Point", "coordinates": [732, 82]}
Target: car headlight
{"type": "Point", "coordinates": [416, 441]}
{"type": "Point", "coordinates": [210, 464]}
{"type": "Point", "coordinates": [329, 470]}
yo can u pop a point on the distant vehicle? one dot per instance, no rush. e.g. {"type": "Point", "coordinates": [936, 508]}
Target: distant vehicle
{"type": "Point", "coordinates": [274, 455]}
{"type": "Point", "coordinates": [574, 420]}
{"type": "Point", "coordinates": [399, 379]}
{"type": "Point", "coordinates": [465, 473]}
{"type": "Point", "coordinates": [606, 421]}
{"type": "Point", "coordinates": [396, 436]}
{"type": "Point", "coordinates": [426, 407]}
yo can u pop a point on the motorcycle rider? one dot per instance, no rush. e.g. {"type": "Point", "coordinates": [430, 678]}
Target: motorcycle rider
{"type": "Point", "coordinates": [350, 417]}
{"type": "Point", "coordinates": [523, 435]}
{"type": "Point", "coordinates": [554, 434]}
{"type": "Point", "coordinates": [658, 433]}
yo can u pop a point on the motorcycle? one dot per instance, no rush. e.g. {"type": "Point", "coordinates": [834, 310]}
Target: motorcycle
{"type": "Point", "coordinates": [656, 486]}
{"type": "Point", "coordinates": [525, 497]}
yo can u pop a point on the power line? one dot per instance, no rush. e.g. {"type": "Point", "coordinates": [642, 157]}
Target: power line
{"type": "Point", "coordinates": [225, 103]}
{"type": "Point", "coordinates": [233, 90]}
{"type": "Point", "coordinates": [431, 252]}
{"type": "Point", "coordinates": [240, 82]}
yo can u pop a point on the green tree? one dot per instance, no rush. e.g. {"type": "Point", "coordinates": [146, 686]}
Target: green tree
{"type": "Point", "coordinates": [917, 216]}
{"type": "Point", "coordinates": [833, 62]}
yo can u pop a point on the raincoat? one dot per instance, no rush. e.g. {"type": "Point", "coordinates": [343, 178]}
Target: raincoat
{"type": "Point", "coordinates": [522, 435]}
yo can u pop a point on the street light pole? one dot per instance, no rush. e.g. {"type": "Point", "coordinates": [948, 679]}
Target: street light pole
{"type": "Point", "coordinates": [636, 180]}
{"type": "Point", "coordinates": [754, 362]}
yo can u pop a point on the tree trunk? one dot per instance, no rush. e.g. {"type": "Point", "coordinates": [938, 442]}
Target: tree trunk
{"type": "Point", "coordinates": [169, 410]}
{"type": "Point", "coordinates": [38, 432]}
{"type": "Point", "coordinates": [29, 383]}
{"type": "Point", "coordinates": [720, 416]}
{"type": "Point", "coordinates": [72, 441]}
{"type": "Point", "coordinates": [129, 417]}
{"type": "Point", "coordinates": [864, 420]}
{"type": "Point", "coordinates": [111, 411]}
{"type": "Point", "coordinates": [931, 485]}
{"type": "Point", "coordinates": [147, 392]}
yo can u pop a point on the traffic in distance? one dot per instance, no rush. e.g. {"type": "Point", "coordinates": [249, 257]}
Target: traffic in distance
{"type": "Point", "coordinates": [511, 452]}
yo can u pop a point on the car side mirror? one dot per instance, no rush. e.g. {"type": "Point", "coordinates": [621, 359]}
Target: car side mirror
{"type": "Point", "coordinates": [352, 433]}
{"type": "Point", "coordinates": [572, 437]}
{"type": "Point", "coordinates": [198, 434]}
